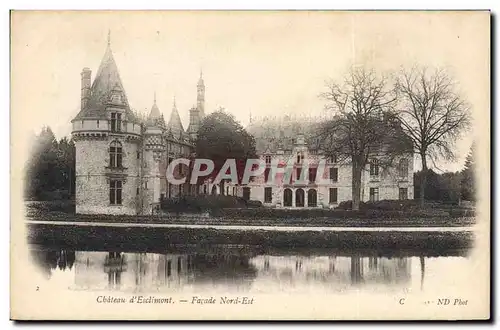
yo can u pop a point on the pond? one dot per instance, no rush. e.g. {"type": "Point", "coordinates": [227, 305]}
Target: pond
{"type": "Point", "coordinates": [192, 269]}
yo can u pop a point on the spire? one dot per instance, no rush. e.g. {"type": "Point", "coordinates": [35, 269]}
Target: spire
{"type": "Point", "coordinates": [155, 112]}
{"type": "Point", "coordinates": [200, 81]}
{"type": "Point", "coordinates": [175, 123]}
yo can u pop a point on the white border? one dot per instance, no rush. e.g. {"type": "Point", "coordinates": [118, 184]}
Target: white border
{"type": "Point", "coordinates": [188, 4]}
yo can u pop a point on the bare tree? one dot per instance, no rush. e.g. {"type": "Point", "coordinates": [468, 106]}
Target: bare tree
{"type": "Point", "coordinates": [362, 125]}
{"type": "Point", "coordinates": [431, 113]}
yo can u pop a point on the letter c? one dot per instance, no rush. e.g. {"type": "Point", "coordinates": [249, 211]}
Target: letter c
{"type": "Point", "coordinates": [402, 301]}
{"type": "Point", "coordinates": [99, 300]}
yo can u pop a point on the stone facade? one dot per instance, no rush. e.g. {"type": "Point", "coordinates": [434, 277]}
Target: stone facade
{"type": "Point", "coordinates": [284, 140]}
{"type": "Point", "coordinates": [121, 159]}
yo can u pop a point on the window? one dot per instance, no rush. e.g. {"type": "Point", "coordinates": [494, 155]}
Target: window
{"type": "Point", "coordinates": [82, 123]}
{"type": "Point", "coordinates": [298, 157]}
{"type": "Point", "coordinates": [334, 174]}
{"type": "Point", "coordinates": [312, 174]}
{"type": "Point", "coordinates": [374, 167]}
{"type": "Point", "coordinates": [138, 154]}
{"type": "Point", "coordinates": [119, 122]}
{"type": "Point", "coordinates": [137, 191]}
{"type": "Point", "coordinates": [268, 195]}
{"type": "Point", "coordinates": [333, 159]}
{"type": "Point", "coordinates": [299, 171]}
{"type": "Point", "coordinates": [116, 122]}
{"type": "Point", "coordinates": [97, 123]}
{"type": "Point", "coordinates": [115, 192]}
{"type": "Point", "coordinates": [146, 184]}
{"type": "Point", "coordinates": [205, 189]}
{"type": "Point", "coordinates": [268, 159]}
{"type": "Point", "coordinates": [234, 191]}
{"type": "Point", "coordinates": [266, 173]}
{"type": "Point", "coordinates": [333, 195]}
{"type": "Point", "coordinates": [403, 193]}
{"type": "Point", "coordinates": [373, 194]}
{"type": "Point", "coordinates": [115, 154]}
{"type": "Point", "coordinates": [403, 168]}
{"type": "Point", "coordinates": [227, 191]}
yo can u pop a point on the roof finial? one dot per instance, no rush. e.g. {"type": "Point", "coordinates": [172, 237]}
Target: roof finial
{"type": "Point", "coordinates": [174, 101]}
{"type": "Point", "coordinates": [201, 73]}
{"type": "Point", "coordinates": [155, 98]}
{"type": "Point", "coordinates": [109, 37]}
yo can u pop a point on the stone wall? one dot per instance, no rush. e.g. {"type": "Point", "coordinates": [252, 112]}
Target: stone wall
{"type": "Point", "coordinates": [92, 178]}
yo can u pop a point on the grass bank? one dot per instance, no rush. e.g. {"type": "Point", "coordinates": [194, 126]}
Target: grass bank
{"type": "Point", "coordinates": [146, 238]}
{"type": "Point", "coordinates": [326, 221]}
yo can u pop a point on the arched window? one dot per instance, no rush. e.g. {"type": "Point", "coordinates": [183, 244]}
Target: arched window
{"type": "Point", "coordinates": [299, 197]}
{"type": "Point", "coordinates": [374, 167]}
{"type": "Point", "coordinates": [115, 154]}
{"type": "Point", "coordinates": [312, 198]}
{"type": "Point", "coordinates": [287, 197]}
{"type": "Point", "coordinates": [403, 168]}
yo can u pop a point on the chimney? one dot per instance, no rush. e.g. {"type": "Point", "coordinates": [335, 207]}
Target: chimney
{"type": "Point", "coordinates": [85, 81]}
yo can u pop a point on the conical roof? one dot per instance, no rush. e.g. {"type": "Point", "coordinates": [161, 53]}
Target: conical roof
{"type": "Point", "coordinates": [175, 123]}
{"type": "Point", "coordinates": [155, 117]}
{"type": "Point", "coordinates": [106, 81]}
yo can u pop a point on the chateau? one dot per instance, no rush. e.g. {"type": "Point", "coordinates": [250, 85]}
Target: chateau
{"type": "Point", "coordinates": [284, 139]}
{"type": "Point", "coordinates": [121, 160]}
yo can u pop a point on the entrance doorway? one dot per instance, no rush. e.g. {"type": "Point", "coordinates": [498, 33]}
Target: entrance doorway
{"type": "Point", "coordinates": [299, 197]}
{"type": "Point", "coordinates": [287, 197]}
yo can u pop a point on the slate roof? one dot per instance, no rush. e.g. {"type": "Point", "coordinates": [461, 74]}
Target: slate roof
{"type": "Point", "coordinates": [155, 117]}
{"type": "Point", "coordinates": [106, 80]}
{"type": "Point", "coordinates": [279, 133]}
{"type": "Point", "coordinates": [175, 123]}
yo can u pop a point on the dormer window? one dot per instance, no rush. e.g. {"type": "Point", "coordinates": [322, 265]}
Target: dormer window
{"type": "Point", "coordinates": [116, 98]}
{"type": "Point", "coordinates": [268, 159]}
{"type": "Point", "coordinates": [300, 157]}
{"type": "Point", "coordinates": [116, 122]}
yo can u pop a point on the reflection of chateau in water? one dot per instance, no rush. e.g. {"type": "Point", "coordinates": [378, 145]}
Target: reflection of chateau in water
{"type": "Point", "coordinates": [222, 269]}
{"type": "Point", "coordinates": [156, 272]}
{"type": "Point", "coordinates": [332, 270]}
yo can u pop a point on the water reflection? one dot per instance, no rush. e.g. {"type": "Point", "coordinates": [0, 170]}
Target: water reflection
{"type": "Point", "coordinates": [231, 270]}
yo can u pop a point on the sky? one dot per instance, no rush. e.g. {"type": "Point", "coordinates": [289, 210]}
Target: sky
{"type": "Point", "coordinates": [253, 63]}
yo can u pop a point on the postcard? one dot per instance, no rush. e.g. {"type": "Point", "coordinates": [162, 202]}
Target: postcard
{"type": "Point", "coordinates": [250, 165]}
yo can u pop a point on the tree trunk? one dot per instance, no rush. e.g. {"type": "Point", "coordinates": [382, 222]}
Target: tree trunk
{"type": "Point", "coordinates": [423, 179]}
{"type": "Point", "coordinates": [356, 186]}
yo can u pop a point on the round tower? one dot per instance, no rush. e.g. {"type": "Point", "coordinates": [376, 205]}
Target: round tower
{"type": "Point", "coordinates": [107, 139]}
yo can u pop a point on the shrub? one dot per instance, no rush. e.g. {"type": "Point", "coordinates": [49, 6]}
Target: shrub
{"type": "Point", "coordinates": [65, 206]}
{"type": "Point", "coordinates": [201, 203]}
{"type": "Point", "coordinates": [383, 205]}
